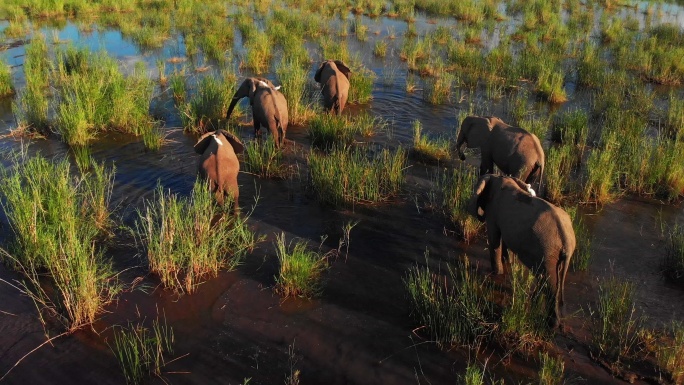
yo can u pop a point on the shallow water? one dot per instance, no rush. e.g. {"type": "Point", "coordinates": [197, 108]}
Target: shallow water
{"type": "Point", "coordinates": [359, 331]}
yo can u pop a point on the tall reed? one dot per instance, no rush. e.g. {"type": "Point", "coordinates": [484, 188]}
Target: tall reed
{"type": "Point", "coordinates": [351, 175]}
{"type": "Point", "coordinates": [189, 239]}
{"type": "Point", "coordinates": [57, 220]}
{"type": "Point", "coordinates": [301, 269]}
{"type": "Point", "coordinates": [294, 80]}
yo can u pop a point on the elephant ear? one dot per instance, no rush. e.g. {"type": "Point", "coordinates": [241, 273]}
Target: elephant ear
{"type": "Point", "coordinates": [238, 147]}
{"type": "Point", "coordinates": [343, 68]}
{"type": "Point", "coordinates": [317, 76]}
{"type": "Point", "coordinates": [203, 142]}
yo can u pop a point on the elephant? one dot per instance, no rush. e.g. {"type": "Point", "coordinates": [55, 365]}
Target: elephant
{"type": "Point", "coordinates": [269, 107]}
{"type": "Point", "coordinates": [513, 149]}
{"type": "Point", "coordinates": [334, 78]}
{"type": "Point", "coordinates": [540, 233]}
{"type": "Point", "coordinates": [219, 164]}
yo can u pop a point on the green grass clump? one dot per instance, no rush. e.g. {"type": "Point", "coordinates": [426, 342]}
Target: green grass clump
{"type": "Point", "coordinates": [455, 190]}
{"type": "Point", "coordinates": [674, 122]}
{"type": "Point", "coordinates": [140, 350]}
{"type": "Point", "coordinates": [438, 88]}
{"type": "Point", "coordinates": [31, 106]}
{"type": "Point", "coordinates": [582, 256]}
{"type": "Point", "coordinates": [380, 48]}
{"type": "Point", "coordinates": [258, 54]}
{"type": "Point", "coordinates": [177, 85]}
{"type": "Point", "coordinates": [361, 85]}
{"type": "Point", "coordinates": [6, 87]}
{"type": "Point", "coordinates": [294, 81]}
{"type": "Point", "coordinates": [351, 175]}
{"type": "Point", "coordinates": [673, 264]}
{"type": "Point", "coordinates": [670, 352]}
{"type": "Point", "coordinates": [551, 371]}
{"type": "Point", "coordinates": [557, 172]}
{"type": "Point", "coordinates": [426, 150]}
{"type": "Point", "coordinates": [188, 239]}
{"type": "Point", "coordinates": [454, 309]}
{"type": "Point", "coordinates": [572, 128]}
{"type": "Point", "coordinates": [264, 159]}
{"type": "Point", "coordinates": [525, 319]}
{"type": "Point", "coordinates": [327, 131]}
{"type": "Point", "coordinates": [550, 86]}
{"type": "Point", "coordinates": [95, 96]}
{"type": "Point", "coordinates": [615, 320]}
{"type": "Point", "coordinates": [601, 172]}
{"type": "Point", "coordinates": [57, 220]}
{"type": "Point", "coordinates": [300, 268]}
{"type": "Point", "coordinates": [203, 111]}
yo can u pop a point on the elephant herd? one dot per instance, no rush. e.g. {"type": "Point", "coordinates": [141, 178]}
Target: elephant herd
{"type": "Point", "coordinates": [540, 233]}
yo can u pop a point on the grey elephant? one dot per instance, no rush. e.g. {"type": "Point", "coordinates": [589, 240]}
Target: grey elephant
{"type": "Point", "coordinates": [513, 149]}
{"type": "Point", "coordinates": [269, 107]}
{"type": "Point", "coordinates": [540, 233]}
{"type": "Point", "coordinates": [334, 78]}
{"type": "Point", "coordinates": [219, 164]}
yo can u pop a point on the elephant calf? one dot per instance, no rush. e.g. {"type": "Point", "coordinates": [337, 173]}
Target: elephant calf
{"type": "Point", "coordinates": [540, 233]}
{"type": "Point", "coordinates": [334, 78]}
{"type": "Point", "coordinates": [269, 107]}
{"type": "Point", "coordinates": [219, 164]}
{"type": "Point", "coordinates": [514, 150]}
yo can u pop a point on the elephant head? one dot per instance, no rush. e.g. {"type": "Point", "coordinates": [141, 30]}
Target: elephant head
{"type": "Point", "coordinates": [334, 78]}
{"type": "Point", "coordinates": [247, 89]}
{"type": "Point", "coordinates": [474, 132]}
{"type": "Point", "coordinates": [540, 233]}
{"type": "Point", "coordinates": [219, 164]}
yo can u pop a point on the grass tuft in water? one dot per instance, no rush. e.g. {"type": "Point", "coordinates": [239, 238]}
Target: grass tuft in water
{"type": "Point", "coordinates": [301, 269]}
{"type": "Point", "coordinates": [294, 79]}
{"type": "Point", "coordinates": [361, 85]}
{"type": "Point", "coordinates": [670, 352]}
{"type": "Point", "coordinates": [140, 350]}
{"type": "Point", "coordinates": [551, 371]}
{"type": "Point", "coordinates": [207, 106]}
{"type": "Point", "coordinates": [264, 159]}
{"type": "Point", "coordinates": [615, 321]}
{"type": "Point", "coordinates": [525, 319]}
{"type": "Point", "coordinates": [426, 150]}
{"type": "Point", "coordinates": [189, 239]}
{"type": "Point", "coordinates": [57, 220]}
{"type": "Point", "coordinates": [454, 308]}
{"type": "Point", "coordinates": [327, 131]}
{"type": "Point", "coordinates": [351, 175]}
{"type": "Point", "coordinates": [6, 87]}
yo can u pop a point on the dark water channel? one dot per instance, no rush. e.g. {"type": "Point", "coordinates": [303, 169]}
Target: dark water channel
{"type": "Point", "coordinates": [359, 331]}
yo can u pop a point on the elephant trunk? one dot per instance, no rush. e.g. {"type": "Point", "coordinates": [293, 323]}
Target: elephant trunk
{"type": "Point", "coordinates": [459, 142]}
{"type": "Point", "coordinates": [233, 102]}
{"type": "Point", "coordinates": [474, 208]}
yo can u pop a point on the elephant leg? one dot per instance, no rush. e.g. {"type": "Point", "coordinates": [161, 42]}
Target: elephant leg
{"type": "Point", "coordinates": [486, 165]}
{"type": "Point", "coordinates": [552, 270]}
{"type": "Point", "coordinates": [494, 237]}
{"type": "Point", "coordinates": [257, 126]}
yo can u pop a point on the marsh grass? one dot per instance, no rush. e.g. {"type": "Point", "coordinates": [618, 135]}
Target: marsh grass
{"type": "Point", "coordinates": [361, 85]}
{"type": "Point", "coordinates": [6, 87]}
{"type": "Point", "coordinates": [427, 150]}
{"type": "Point", "coordinates": [474, 375]}
{"type": "Point", "coordinates": [264, 159]}
{"type": "Point", "coordinates": [347, 176]}
{"type": "Point", "coordinates": [301, 268]}
{"type": "Point", "coordinates": [140, 350]}
{"type": "Point", "coordinates": [551, 371]}
{"type": "Point", "coordinates": [95, 96]}
{"type": "Point", "coordinates": [572, 128]}
{"type": "Point", "coordinates": [58, 220]}
{"type": "Point", "coordinates": [674, 122]}
{"type": "Point", "coordinates": [380, 48]}
{"type": "Point", "coordinates": [327, 131]}
{"type": "Point", "coordinates": [438, 88]}
{"type": "Point", "coordinates": [207, 106]}
{"type": "Point", "coordinates": [581, 259]}
{"type": "Point", "coordinates": [177, 85]}
{"type": "Point", "coordinates": [525, 319]}
{"type": "Point", "coordinates": [673, 263]}
{"type": "Point", "coordinates": [616, 322]}
{"type": "Point", "coordinates": [453, 307]}
{"type": "Point", "coordinates": [294, 79]}
{"type": "Point", "coordinates": [454, 189]}
{"type": "Point", "coordinates": [550, 86]}
{"type": "Point", "coordinates": [670, 352]}
{"type": "Point", "coordinates": [187, 239]}
{"type": "Point", "coordinates": [258, 55]}
{"type": "Point", "coordinates": [601, 172]}
{"type": "Point", "coordinates": [558, 172]}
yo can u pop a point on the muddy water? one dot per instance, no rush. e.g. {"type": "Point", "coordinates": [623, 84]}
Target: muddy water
{"type": "Point", "coordinates": [359, 331]}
